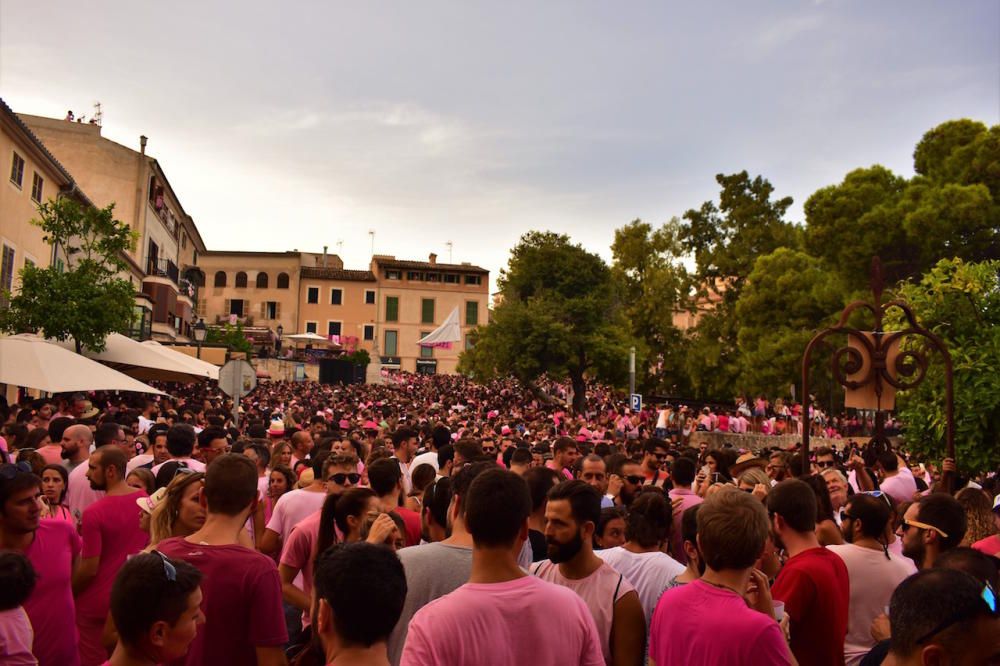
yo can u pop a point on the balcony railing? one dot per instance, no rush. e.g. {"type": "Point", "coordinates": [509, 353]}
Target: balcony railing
{"type": "Point", "coordinates": [221, 320]}
{"type": "Point", "coordinates": [163, 268]}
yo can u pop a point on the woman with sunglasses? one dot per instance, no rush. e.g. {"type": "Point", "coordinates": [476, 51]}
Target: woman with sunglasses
{"type": "Point", "coordinates": [55, 480]}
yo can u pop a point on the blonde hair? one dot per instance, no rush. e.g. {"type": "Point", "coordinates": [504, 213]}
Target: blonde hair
{"type": "Point", "coordinates": [755, 476]}
{"type": "Point", "coordinates": [166, 513]}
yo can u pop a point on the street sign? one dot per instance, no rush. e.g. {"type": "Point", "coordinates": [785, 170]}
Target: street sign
{"type": "Point", "coordinates": [236, 379]}
{"type": "Point", "coordinates": [636, 401]}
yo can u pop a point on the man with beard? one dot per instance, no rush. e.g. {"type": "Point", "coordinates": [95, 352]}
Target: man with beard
{"type": "Point", "coordinates": [931, 526]}
{"type": "Point", "coordinates": [79, 493]}
{"type": "Point", "coordinates": [565, 453]}
{"type": "Point", "coordinates": [814, 582]}
{"type": "Point", "coordinates": [624, 483]}
{"type": "Point", "coordinates": [111, 533]}
{"type": "Point", "coordinates": [641, 559]}
{"type": "Point", "coordinates": [654, 453]}
{"type": "Point", "coordinates": [572, 512]}
{"type": "Point", "coordinates": [873, 571]}
{"type": "Point", "coordinates": [594, 471]}
{"type": "Point", "coordinates": [76, 441]}
{"type": "Point", "coordinates": [540, 481]}
{"type": "Point", "coordinates": [684, 471]}
{"type": "Point", "coordinates": [436, 569]}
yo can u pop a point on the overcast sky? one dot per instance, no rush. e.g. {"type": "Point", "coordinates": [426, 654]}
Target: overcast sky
{"type": "Point", "coordinates": [303, 124]}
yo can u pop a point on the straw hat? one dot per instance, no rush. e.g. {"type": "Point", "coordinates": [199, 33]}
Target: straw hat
{"type": "Point", "coordinates": [745, 462]}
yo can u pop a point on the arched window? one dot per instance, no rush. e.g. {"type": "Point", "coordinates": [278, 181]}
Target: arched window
{"type": "Point", "coordinates": [282, 280]}
{"type": "Point", "coordinates": [241, 280]}
{"type": "Point", "coordinates": [262, 280]}
{"type": "Point", "coordinates": [220, 278]}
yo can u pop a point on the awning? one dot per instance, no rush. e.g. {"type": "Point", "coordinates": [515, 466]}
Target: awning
{"type": "Point", "coordinates": [140, 361]}
{"type": "Point", "coordinates": [445, 334]}
{"type": "Point", "coordinates": [198, 367]}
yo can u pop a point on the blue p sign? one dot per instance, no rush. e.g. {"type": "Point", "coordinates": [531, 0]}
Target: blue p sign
{"type": "Point", "coordinates": [636, 402]}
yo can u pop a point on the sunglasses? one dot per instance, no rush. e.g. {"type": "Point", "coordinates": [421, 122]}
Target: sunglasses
{"type": "Point", "coordinates": [8, 472]}
{"type": "Point", "coordinates": [340, 477]}
{"type": "Point", "coordinates": [825, 464]}
{"type": "Point", "coordinates": [169, 570]}
{"type": "Point", "coordinates": [634, 480]}
{"type": "Point", "coordinates": [907, 524]}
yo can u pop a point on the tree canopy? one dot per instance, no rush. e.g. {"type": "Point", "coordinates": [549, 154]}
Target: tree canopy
{"type": "Point", "coordinates": [86, 300]}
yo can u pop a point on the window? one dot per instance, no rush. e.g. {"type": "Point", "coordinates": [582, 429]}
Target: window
{"type": "Point", "coordinates": [369, 332]}
{"type": "Point", "coordinates": [369, 297]}
{"type": "Point", "coordinates": [391, 338]}
{"type": "Point", "coordinates": [310, 327]}
{"type": "Point", "coordinates": [312, 295]}
{"type": "Point", "coordinates": [426, 352]}
{"type": "Point", "coordinates": [37, 182]}
{"type": "Point", "coordinates": [414, 276]}
{"type": "Point", "coordinates": [473, 279]}
{"type": "Point", "coordinates": [17, 170]}
{"type": "Point", "coordinates": [270, 310]}
{"type": "Point", "coordinates": [336, 296]}
{"type": "Point", "coordinates": [282, 280]}
{"type": "Point", "coordinates": [6, 272]}
{"type": "Point", "coordinates": [433, 277]}
{"type": "Point", "coordinates": [392, 275]}
{"type": "Point", "coordinates": [241, 280]}
{"type": "Point", "coordinates": [427, 311]}
{"type": "Point", "coordinates": [468, 342]}
{"type": "Point", "coordinates": [333, 328]}
{"type": "Point", "coordinates": [237, 306]}
{"type": "Point", "coordinates": [28, 263]}
{"type": "Point", "coordinates": [184, 241]}
{"type": "Point", "coordinates": [262, 280]}
{"type": "Point", "coordinates": [472, 313]}
{"type": "Point", "coordinates": [450, 278]}
{"type": "Point", "coordinates": [220, 278]}
{"type": "Point", "coordinates": [392, 308]}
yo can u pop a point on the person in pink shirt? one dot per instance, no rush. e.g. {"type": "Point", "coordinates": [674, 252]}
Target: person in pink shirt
{"type": "Point", "coordinates": [40, 440]}
{"type": "Point", "coordinates": [896, 481]}
{"type": "Point", "coordinates": [156, 608]}
{"type": "Point", "coordinates": [544, 624]}
{"type": "Point", "coordinates": [716, 620]}
{"type": "Point", "coordinates": [565, 452]}
{"type": "Point", "coordinates": [17, 580]}
{"type": "Point", "coordinates": [991, 544]}
{"type": "Point", "coordinates": [111, 533]}
{"type": "Point", "coordinates": [54, 481]}
{"type": "Point", "coordinates": [79, 493]}
{"type": "Point", "coordinates": [682, 475]}
{"type": "Point", "coordinates": [52, 547]}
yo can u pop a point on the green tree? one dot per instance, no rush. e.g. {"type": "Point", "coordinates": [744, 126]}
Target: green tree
{"type": "Point", "coordinates": [558, 316]}
{"type": "Point", "coordinates": [726, 239]}
{"type": "Point", "coordinates": [652, 284]}
{"type": "Point", "coordinates": [788, 297]}
{"type": "Point", "coordinates": [233, 337]}
{"type": "Point", "coordinates": [960, 302]}
{"type": "Point", "coordinates": [87, 300]}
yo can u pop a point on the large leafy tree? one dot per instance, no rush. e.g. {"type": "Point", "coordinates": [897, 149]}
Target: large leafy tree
{"type": "Point", "coordinates": [558, 316]}
{"type": "Point", "coordinates": [788, 297]}
{"type": "Point", "coordinates": [653, 284]}
{"type": "Point", "coordinates": [960, 302]}
{"type": "Point", "coordinates": [85, 300]}
{"type": "Point", "coordinates": [726, 239]}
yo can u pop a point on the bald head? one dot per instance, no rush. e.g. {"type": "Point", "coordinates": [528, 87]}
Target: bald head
{"type": "Point", "coordinates": [302, 443]}
{"type": "Point", "coordinates": [76, 441]}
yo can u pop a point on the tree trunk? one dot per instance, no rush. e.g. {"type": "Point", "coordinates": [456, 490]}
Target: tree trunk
{"type": "Point", "coordinates": [579, 391]}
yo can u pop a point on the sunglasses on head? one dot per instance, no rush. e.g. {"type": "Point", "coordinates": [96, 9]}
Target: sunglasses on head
{"type": "Point", "coordinates": [169, 570]}
{"type": "Point", "coordinates": [8, 472]}
{"type": "Point", "coordinates": [340, 477]}
{"type": "Point", "coordinates": [989, 598]}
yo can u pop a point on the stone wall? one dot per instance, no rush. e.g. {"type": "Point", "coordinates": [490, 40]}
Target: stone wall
{"type": "Point", "coordinates": [755, 442]}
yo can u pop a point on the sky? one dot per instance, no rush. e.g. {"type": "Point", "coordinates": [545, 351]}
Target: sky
{"type": "Point", "coordinates": [302, 124]}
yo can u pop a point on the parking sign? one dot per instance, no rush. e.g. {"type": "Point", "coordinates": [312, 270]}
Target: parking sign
{"type": "Point", "coordinates": [636, 402]}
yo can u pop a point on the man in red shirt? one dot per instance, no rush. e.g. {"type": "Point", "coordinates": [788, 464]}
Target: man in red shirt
{"type": "Point", "coordinates": [386, 479]}
{"type": "Point", "coordinates": [814, 583]}
{"type": "Point", "coordinates": [244, 618]}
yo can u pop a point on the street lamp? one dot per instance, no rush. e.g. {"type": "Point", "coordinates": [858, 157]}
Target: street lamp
{"type": "Point", "coordinates": [200, 331]}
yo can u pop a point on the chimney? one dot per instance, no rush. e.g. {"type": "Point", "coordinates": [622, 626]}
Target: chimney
{"type": "Point", "coordinates": [324, 255]}
{"type": "Point", "coordinates": [433, 258]}
{"type": "Point", "coordinates": [142, 144]}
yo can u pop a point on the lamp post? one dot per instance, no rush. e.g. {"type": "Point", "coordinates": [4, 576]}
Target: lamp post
{"type": "Point", "coordinates": [200, 331]}
{"type": "Point", "coordinates": [277, 343]}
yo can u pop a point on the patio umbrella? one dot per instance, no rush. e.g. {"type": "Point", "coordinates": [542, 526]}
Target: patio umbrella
{"type": "Point", "coordinates": [198, 367]}
{"type": "Point", "coordinates": [33, 362]}
{"type": "Point", "coordinates": [140, 361]}
{"type": "Point", "coordinates": [306, 337]}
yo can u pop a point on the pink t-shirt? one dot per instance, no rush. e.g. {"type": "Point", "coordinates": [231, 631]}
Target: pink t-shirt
{"type": "Point", "coordinates": [873, 579]}
{"type": "Point", "coordinates": [522, 621]}
{"type": "Point", "coordinates": [50, 606]}
{"type": "Point", "coordinates": [51, 453]}
{"type": "Point", "coordinates": [600, 591]}
{"type": "Point", "coordinates": [292, 508]}
{"type": "Point", "coordinates": [299, 551]}
{"type": "Point", "coordinates": [702, 625]}
{"type": "Point", "coordinates": [990, 545]}
{"type": "Point", "coordinates": [110, 530]}
{"type": "Point", "coordinates": [688, 498]}
{"type": "Point", "coordinates": [242, 602]}
{"type": "Point", "coordinates": [900, 487]}
{"type": "Point", "coordinates": [15, 638]}
{"type": "Point", "coordinates": [79, 494]}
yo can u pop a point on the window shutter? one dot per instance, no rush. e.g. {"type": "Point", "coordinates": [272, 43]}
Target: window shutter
{"type": "Point", "coordinates": [263, 309]}
{"type": "Point", "coordinates": [229, 308]}
{"type": "Point", "coordinates": [277, 310]}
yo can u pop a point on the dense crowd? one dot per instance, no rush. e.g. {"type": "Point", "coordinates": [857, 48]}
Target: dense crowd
{"type": "Point", "coordinates": [433, 520]}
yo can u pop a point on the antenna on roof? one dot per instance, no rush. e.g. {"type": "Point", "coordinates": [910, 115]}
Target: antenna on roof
{"type": "Point", "coordinates": [450, 245]}
{"type": "Point", "coordinates": [371, 235]}
{"type": "Point", "coordinates": [98, 115]}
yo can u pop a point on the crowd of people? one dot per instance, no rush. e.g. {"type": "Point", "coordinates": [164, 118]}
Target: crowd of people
{"type": "Point", "coordinates": [434, 520]}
